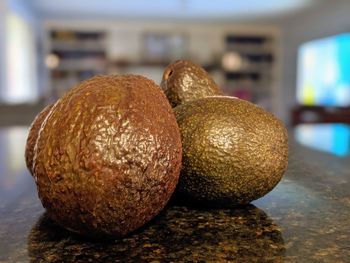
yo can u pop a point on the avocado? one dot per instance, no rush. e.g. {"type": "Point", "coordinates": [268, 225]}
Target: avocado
{"type": "Point", "coordinates": [109, 156]}
{"type": "Point", "coordinates": [233, 151]}
{"type": "Point", "coordinates": [184, 81]}
{"type": "Point", "coordinates": [33, 135]}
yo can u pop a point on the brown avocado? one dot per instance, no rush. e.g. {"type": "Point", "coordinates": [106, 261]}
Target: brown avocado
{"type": "Point", "coordinates": [33, 135]}
{"type": "Point", "coordinates": [184, 81]}
{"type": "Point", "coordinates": [109, 156]}
{"type": "Point", "coordinates": [233, 151]}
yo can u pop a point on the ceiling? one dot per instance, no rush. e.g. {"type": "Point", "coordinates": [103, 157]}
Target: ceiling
{"type": "Point", "coordinates": [233, 10]}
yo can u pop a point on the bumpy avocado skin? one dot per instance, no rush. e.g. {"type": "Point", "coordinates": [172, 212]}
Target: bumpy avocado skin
{"type": "Point", "coordinates": [185, 81]}
{"type": "Point", "coordinates": [233, 151]}
{"type": "Point", "coordinates": [33, 135]}
{"type": "Point", "coordinates": [109, 156]}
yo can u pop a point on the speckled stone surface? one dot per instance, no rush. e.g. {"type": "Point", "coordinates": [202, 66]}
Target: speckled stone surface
{"type": "Point", "coordinates": [179, 233]}
{"type": "Point", "coordinates": [306, 218]}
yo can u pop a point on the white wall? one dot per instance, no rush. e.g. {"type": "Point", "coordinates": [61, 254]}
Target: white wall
{"type": "Point", "coordinates": [328, 18]}
{"type": "Point", "coordinates": [22, 15]}
{"type": "Point", "coordinates": [2, 45]}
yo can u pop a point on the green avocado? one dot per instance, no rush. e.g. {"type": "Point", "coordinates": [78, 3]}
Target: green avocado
{"type": "Point", "coordinates": [185, 81]}
{"type": "Point", "coordinates": [233, 151]}
{"type": "Point", "coordinates": [108, 157]}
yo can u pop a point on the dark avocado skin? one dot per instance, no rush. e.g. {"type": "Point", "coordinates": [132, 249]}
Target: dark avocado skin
{"type": "Point", "coordinates": [109, 156]}
{"type": "Point", "coordinates": [33, 135]}
{"type": "Point", "coordinates": [233, 151]}
{"type": "Point", "coordinates": [185, 81]}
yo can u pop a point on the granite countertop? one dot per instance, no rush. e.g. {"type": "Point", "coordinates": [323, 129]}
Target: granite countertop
{"type": "Point", "coordinates": [306, 218]}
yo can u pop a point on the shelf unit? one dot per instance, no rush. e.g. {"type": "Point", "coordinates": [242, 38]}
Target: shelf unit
{"type": "Point", "coordinates": [87, 50]}
{"type": "Point", "coordinates": [78, 55]}
{"type": "Point", "coordinates": [253, 77]}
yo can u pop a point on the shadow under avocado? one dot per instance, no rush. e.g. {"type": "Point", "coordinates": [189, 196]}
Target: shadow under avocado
{"type": "Point", "coordinates": [243, 234]}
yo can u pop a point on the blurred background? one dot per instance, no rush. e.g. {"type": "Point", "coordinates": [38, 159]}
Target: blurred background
{"type": "Point", "coordinates": [291, 57]}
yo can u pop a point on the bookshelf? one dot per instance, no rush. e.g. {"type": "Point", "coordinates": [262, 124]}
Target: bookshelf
{"type": "Point", "coordinates": [74, 56]}
{"type": "Point", "coordinates": [242, 61]}
{"type": "Point", "coordinates": [248, 65]}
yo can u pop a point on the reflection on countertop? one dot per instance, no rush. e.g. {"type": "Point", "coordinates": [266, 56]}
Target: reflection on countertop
{"type": "Point", "coordinates": [332, 138]}
{"type": "Point", "coordinates": [304, 219]}
{"type": "Point", "coordinates": [188, 234]}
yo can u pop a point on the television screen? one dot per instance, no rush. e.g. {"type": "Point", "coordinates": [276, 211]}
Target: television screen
{"type": "Point", "coordinates": [324, 72]}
